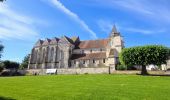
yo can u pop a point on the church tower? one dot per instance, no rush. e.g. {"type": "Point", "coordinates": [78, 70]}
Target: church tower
{"type": "Point", "coordinates": [115, 45]}
{"type": "Point", "coordinates": [116, 41]}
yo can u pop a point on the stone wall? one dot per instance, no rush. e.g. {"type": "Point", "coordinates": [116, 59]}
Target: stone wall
{"type": "Point", "coordinates": [72, 71]}
{"type": "Point", "coordinates": [90, 71]}
{"type": "Point", "coordinates": [83, 71]}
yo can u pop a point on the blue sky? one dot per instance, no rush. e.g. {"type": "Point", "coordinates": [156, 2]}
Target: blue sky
{"type": "Point", "coordinates": [23, 22]}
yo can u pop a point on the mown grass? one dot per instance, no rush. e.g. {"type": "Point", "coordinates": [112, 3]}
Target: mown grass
{"type": "Point", "coordinates": [85, 87]}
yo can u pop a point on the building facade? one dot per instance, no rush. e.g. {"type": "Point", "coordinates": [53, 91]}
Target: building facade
{"type": "Point", "coordinates": [68, 52]}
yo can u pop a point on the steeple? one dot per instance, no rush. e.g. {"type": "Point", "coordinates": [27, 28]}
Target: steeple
{"type": "Point", "coordinates": [114, 31]}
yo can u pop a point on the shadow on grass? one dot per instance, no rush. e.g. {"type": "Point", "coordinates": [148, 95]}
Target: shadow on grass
{"type": "Point", "coordinates": [155, 75]}
{"type": "Point", "coordinates": [6, 98]}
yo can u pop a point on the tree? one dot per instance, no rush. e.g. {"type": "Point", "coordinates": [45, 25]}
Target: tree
{"type": "Point", "coordinates": [1, 49]}
{"type": "Point", "coordinates": [10, 64]}
{"type": "Point", "coordinates": [2, 0]}
{"type": "Point", "coordinates": [144, 55]}
{"type": "Point", "coordinates": [25, 62]}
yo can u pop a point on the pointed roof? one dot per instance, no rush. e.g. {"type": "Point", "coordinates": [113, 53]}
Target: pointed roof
{"type": "Point", "coordinates": [114, 31]}
{"type": "Point", "coordinates": [46, 42]}
{"type": "Point", "coordinates": [54, 40]}
{"type": "Point", "coordinates": [39, 43]}
{"type": "Point", "coordinates": [68, 39]}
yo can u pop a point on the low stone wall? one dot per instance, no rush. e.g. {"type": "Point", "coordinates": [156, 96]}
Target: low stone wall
{"type": "Point", "coordinates": [126, 72]}
{"type": "Point", "coordinates": [72, 71]}
{"type": "Point", "coordinates": [90, 71]}
{"type": "Point", "coordinates": [83, 71]}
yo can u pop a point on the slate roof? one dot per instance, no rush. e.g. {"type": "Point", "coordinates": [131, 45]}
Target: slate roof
{"type": "Point", "coordinates": [89, 56]}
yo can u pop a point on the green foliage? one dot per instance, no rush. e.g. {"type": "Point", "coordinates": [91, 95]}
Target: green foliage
{"type": "Point", "coordinates": [1, 49]}
{"type": "Point", "coordinates": [144, 55]}
{"type": "Point", "coordinates": [1, 66]}
{"type": "Point", "coordinates": [121, 67]}
{"type": "Point", "coordinates": [10, 64]}
{"type": "Point", "coordinates": [25, 62]}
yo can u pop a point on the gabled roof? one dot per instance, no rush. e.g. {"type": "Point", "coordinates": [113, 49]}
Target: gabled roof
{"type": "Point", "coordinates": [93, 44]}
{"type": "Point", "coordinates": [46, 42]}
{"type": "Point", "coordinates": [54, 40]}
{"type": "Point", "coordinates": [68, 39]}
{"type": "Point", "coordinates": [99, 55]}
{"type": "Point", "coordinates": [38, 43]}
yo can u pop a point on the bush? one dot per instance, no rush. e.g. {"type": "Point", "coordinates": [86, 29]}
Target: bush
{"type": "Point", "coordinates": [10, 64]}
{"type": "Point", "coordinates": [121, 67]}
{"type": "Point", "coordinates": [131, 68]}
{"type": "Point", "coordinates": [10, 73]}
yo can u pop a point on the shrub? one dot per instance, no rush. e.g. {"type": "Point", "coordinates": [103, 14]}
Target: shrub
{"type": "Point", "coordinates": [121, 67]}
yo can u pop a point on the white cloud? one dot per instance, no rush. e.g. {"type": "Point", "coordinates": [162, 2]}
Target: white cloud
{"type": "Point", "coordinates": [142, 31]}
{"type": "Point", "coordinates": [14, 25]}
{"type": "Point", "coordinates": [74, 16]}
{"type": "Point", "coordinates": [152, 10]}
{"type": "Point", "coordinates": [105, 25]}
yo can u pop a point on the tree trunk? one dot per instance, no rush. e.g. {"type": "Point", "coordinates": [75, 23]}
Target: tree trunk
{"type": "Point", "coordinates": [144, 71]}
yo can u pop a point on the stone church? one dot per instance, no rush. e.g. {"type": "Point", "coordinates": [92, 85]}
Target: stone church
{"type": "Point", "coordinates": [68, 52]}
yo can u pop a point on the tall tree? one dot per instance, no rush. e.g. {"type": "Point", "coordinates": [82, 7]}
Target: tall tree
{"type": "Point", "coordinates": [1, 49]}
{"type": "Point", "coordinates": [24, 63]}
{"type": "Point", "coordinates": [144, 55]}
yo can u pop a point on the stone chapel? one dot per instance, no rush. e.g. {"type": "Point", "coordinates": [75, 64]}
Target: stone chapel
{"type": "Point", "coordinates": [68, 52]}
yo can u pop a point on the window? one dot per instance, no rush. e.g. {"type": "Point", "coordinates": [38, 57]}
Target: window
{"type": "Point", "coordinates": [84, 62]}
{"type": "Point", "coordinates": [82, 51]}
{"type": "Point", "coordinates": [104, 61]}
{"type": "Point", "coordinates": [93, 61]}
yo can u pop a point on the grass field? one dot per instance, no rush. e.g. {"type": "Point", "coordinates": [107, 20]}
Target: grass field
{"type": "Point", "coordinates": [85, 87]}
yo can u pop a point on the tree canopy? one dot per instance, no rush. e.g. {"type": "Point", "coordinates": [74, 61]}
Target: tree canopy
{"type": "Point", "coordinates": [144, 55]}
{"type": "Point", "coordinates": [1, 49]}
{"type": "Point", "coordinates": [10, 64]}
{"type": "Point", "coordinates": [24, 63]}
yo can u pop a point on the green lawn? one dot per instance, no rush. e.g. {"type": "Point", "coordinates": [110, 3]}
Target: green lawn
{"type": "Point", "coordinates": [85, 87]}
